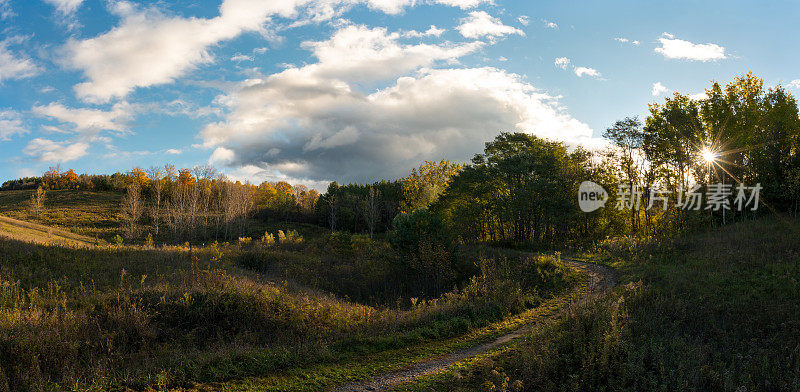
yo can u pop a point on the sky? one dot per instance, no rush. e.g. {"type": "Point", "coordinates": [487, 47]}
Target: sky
{"type": "Point", "coordinates": [311, 91]}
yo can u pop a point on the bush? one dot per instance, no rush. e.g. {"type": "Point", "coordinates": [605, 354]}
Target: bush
{"type": "Point", "coordinates": [268, 239]}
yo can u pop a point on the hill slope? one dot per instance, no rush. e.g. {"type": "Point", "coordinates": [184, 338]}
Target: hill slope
{"type": "Point", "coordinates": [714, 311]}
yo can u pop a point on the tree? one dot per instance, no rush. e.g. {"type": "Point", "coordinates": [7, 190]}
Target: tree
{"type": "Point", "coordinates": [628, 157]}
{"type": "Point", "coordinates": [51, 176]}
{"type": "Point", "coordinates": [37, 201]}
{"type": "Point", "coordinates": [157, 183]}
{"type": "Point", "coordinates": [333, 208]}
{"type": "Point", "coordinates": [139, 176]}
{"type": "Point", "coordinates": [372, 210]}
{"type": "Point", "coordinates": [422, 239]}
{"type": "Point", "coordinates": [132, 207]}
{"type": "Point", "coordinates": [515, 192]}
{"type": "Point", "coordinates": [70, 180]}
{"type": "Point", "coordinates": [754, 131]}
{"type": "Point", "coordinates": [423, 186]}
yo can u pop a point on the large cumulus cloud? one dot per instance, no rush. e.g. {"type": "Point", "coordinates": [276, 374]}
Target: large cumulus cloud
{"type": "Point", "coordinates": [314, 122]}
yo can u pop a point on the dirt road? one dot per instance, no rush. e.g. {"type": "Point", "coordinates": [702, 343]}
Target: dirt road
{"type": "Point", "coordinates": [600, 279]}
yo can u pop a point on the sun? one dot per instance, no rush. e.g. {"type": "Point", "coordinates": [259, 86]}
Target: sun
{"type": "Point", "coordinates": [708, 155]}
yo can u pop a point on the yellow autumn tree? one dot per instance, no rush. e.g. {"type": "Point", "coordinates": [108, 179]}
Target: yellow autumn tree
{"type": "Point", "coordinates": [139, 176]}
{"type": "Point", "coordinates": [426, 182]}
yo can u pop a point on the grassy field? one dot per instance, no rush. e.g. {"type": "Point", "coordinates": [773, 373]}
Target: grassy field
{"type": "Point", "coordinates": [93, 214]}
{"type": "Point", "coordinates": [42, 234]}
{"type": "Point", "coordinates": [97, 215]}
{"type": "Point", "coordinates": [716, 310]}
{"type": "Point", "coordinates": [712, 311]}
{"type": "Point", "coordinates": [132, 317]}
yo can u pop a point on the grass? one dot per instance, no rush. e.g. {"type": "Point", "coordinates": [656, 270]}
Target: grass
{"type": "Point", "coordinates": [711, 311]}
{"type": "Point", "coordinates": [97, 215]}
{"type": "Point", "coordinates": [32, 232]}
{"type": "Point", "coordinates": [132, 317]}
{"type": "Point", "coordinates": [93, 214]}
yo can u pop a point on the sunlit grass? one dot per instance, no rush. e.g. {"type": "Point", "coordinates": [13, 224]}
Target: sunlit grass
{"type": "Point", "coordinates": [131, 316]}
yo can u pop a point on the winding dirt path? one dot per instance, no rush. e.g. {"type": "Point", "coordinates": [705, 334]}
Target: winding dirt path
{"type": "Point", "coordinates": [599, 280]}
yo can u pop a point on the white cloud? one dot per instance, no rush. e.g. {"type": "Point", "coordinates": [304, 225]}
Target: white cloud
{"type": "Point", "coordinates": [432, 31]}
{"type": "Point", "coordinates": [480, 24]}
{"type": "Point", "coordinates": [14, 67]}
{"type": "Point", "coordinates": [463, 4]}
{"type": "Point", "coordinates": [173, 151]}
{"type": "Point", "coordinates": [390, 6]}
{"type": "Point", "coordinates": [674, 48]}
{"type": "Point", "coordinates": [89, 121]}
{"type": "Point", "coordinates": [549, 24]}
{"type": "Point", "coordinates": [257, 175]}
{"type": "Point", "coordinates": [658, 89]}
{"type": "Point", "coordinates": [794, 84]}
{"type": "Point", "coordinates": [580, 71]}
{"type": "Point", "coordinates": [626, 40]}
{"type": "Point", "coordinates": [562, 62]}
{"type": "Point", "coordinates": [241, 57]}
{"type": "Point", "coordinates": [314, 122]}
{"type": "Point", "coordinates": [359, 53]}
{"type": "Point", "coordinates": [221, 156]}
{"type": "Point", "coordinates": [11, 124]}
{"type": "Point", "coordinates": [150, 48]}
{"type": "Point", "coordinates": [66, 7]}
{"type": "Point", "coordinates": [46, 150]}
{"type": "Point", "coordinates": [524, 20]}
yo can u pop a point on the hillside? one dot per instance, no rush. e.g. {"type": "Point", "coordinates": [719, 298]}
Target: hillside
{"type": "Point", "coordinates": [712, 311]}
{"type": "Point", "coordinates": [42, 234]}
{"type": "Point", "coordinates": [93, 214]}
{"type": "Point", "coordinates": [102, 317]}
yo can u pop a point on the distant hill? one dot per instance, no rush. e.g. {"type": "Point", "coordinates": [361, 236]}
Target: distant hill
{"type": "Point", "coordinates": [92, 214]}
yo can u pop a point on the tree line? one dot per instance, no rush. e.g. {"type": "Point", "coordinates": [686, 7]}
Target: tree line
{"type": "Point", "coordinates": [750, 135]}
{"type": "Point", "coordinates": [520, 190]}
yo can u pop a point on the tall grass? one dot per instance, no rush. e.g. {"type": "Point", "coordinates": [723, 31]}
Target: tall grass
{"type": "Point", "coordinates": [714, 311]}
{"type": "Point", "coordinates": [99, 318]}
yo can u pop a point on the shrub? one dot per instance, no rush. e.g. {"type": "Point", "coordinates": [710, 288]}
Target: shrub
{"type": "Point", "coordinates": [268, 239]}
{"type": "Point", "coordinates": [117, 240]}
{"type": "Point", "coordinates": [290, 240]}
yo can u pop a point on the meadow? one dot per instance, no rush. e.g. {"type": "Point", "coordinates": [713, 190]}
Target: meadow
{"type": "Point", "coordinates": [715, 310]}
{"type": "Point", "coordinates": [103, 317]}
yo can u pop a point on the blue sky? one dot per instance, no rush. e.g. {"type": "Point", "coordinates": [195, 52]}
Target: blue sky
{"type": "Point", "coordinates": [352, 90]}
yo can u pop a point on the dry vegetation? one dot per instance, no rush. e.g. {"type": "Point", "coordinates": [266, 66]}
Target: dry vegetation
{"type": "Point", "coordinates": [104, 317]}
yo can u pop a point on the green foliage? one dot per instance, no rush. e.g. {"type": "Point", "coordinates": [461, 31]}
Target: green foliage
{"type": "Point", "coordinates": [426, 251]}
{"type": "Point", "coordinates": [117, 240]}
{"type": "Point", "coordinates": [425, 183]}
{"type": "Point", "coordinates": [419, 226]}
{"type": "Point", "coordinates": [521, 190]}
{"type": "Point", "coordinates": [344, 207]}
